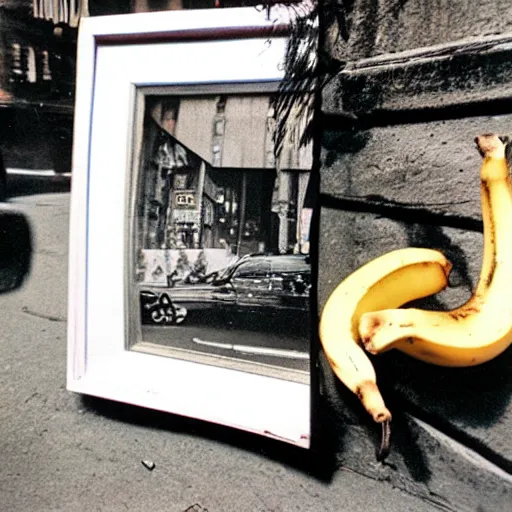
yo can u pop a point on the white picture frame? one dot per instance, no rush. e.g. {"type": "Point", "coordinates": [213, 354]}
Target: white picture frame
{"type": "Point", "coordinates": [116, 56]}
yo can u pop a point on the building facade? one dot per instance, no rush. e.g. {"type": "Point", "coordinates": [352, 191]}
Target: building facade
{"type": "Point", "coordinates": [37, 81]}
{"type": "Point", "coordinates": [227, 196]}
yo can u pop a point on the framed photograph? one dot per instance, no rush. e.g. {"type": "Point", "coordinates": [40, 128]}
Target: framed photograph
{"type": "Point", "coordinates": [189, 270]}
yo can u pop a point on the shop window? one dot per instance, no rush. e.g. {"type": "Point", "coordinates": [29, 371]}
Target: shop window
{"type": "Point", "coordinates": [31, 65]}
{"type": "Point", "coordinates": [45, 58]}
{"type": "Point", "coordinates": [17, 71]}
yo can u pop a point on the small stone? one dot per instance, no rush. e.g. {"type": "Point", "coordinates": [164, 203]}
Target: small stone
{"type": "Point", "coordinates": [149, 464]}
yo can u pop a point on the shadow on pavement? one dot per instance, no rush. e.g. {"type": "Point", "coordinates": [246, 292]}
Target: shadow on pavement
{"type": "Point", "coordinates": [25, 184]}
{"type": "Point", "coordinates": [282, 452]}
{"type": "Point", "coordinates": [295, 326]}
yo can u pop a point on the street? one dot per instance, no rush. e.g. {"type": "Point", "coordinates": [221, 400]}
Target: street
{"type": "Point", "coordinates": [262, 346]}
{"type": "Point", "coordinates": [65, 452]}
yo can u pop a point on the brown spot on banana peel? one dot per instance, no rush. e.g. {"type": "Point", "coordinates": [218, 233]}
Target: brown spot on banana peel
{"type": "Point", "coordinates": [490, 276]}
{"type": "Point", "coordinates": [370, 325]}
{"type": "Point", "coordinates": [334, 365]}
{"type": "Point", "coordinates": [463, 312]}
{"type": "Point", "coordinates": [371, 328]}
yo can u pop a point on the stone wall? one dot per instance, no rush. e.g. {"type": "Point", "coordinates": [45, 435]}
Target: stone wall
{"type": "Point", "coordinates": [375, 27]}
{"type": "Point", "coordinates": [399, 168]}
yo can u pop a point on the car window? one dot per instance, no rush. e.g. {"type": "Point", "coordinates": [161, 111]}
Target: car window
{"type": "Point", "coordinates": [227, 272]}
{"type": "Point", "coordinates": [222, 274]}
{"type": "Point", "coordinates": [252, 270]}
{"type": "Point", "coordinates": [287, 264]}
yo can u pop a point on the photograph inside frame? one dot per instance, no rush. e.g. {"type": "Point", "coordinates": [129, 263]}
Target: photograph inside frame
{"type": "Point", "coordinates": [222, 272]}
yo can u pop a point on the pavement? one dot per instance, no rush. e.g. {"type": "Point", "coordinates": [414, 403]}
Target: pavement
{"type": "Point", "coordinates": [65, 452]}
{"type": "Point", "coordinates": [253, 347]}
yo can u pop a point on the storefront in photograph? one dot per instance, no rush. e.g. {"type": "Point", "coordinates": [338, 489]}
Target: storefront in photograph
{"type": "Point", "coordinates": [209, 183]}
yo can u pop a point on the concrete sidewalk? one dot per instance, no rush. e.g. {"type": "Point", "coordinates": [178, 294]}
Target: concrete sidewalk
{"type": "Point", "coordinates": [63, 452]}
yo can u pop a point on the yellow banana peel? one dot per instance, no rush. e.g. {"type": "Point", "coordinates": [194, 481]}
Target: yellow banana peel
{"type": "Point", "coordinates": [394, 279]}
{"type": "Point", "coordinates": [481, 329]}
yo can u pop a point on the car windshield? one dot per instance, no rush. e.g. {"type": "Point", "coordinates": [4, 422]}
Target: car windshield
{"type": "Point", "coordinates": [252, 269]}
{"type": "Point", "coordinates": [225, 272]}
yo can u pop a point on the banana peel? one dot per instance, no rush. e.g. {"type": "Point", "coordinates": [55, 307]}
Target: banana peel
{"type": "Point", "coordinates": [481, 329]}
{"type": "Point", "coordinates": [363, 309]}
{"type": "Point", "coordinates": [394, 278]}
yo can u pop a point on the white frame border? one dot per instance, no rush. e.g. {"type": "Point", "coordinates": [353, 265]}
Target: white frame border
{"type": "Point", "coordinates": [255, 403]}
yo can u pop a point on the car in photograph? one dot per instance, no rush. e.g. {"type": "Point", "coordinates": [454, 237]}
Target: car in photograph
{"type": "Point", "coordinates": [265, 285]}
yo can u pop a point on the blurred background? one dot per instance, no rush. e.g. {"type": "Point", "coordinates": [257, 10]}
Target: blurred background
{"type": "Point", "coordinates": [37, 84]}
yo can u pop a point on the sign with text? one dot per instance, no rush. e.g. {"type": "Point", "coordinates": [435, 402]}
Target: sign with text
{"type": "Point", "coordinates": [184, 199]}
